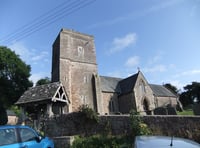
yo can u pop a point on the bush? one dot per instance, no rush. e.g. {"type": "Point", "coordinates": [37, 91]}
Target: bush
{"type": "Point", "coordinates": [89, 114]}
{"type": "Point", "coordinates": [100, 141]}
{"type": "Point", "coordinates": [137, 125]}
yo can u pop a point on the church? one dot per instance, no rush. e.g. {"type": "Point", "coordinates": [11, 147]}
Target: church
{"type": "Point", "coordinates": [76, 82]}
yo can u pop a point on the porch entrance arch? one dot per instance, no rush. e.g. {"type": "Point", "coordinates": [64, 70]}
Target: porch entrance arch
{"type": "Point", "coordinates": [146, 106]}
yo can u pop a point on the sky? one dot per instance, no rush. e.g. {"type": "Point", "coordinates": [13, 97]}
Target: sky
{"type": "Point", "coordinates": [161, 38]}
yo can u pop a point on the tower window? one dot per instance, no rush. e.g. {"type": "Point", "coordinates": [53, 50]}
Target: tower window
{"type": "Point", "coordinates": [80, 51]}
{"type": "Point", "coordinates": [83, 99]}
{"type": "Point", "coordinates": [85, 79]}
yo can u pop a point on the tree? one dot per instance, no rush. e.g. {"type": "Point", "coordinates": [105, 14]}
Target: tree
{"type": "Point", "coordinates": [14, 74]}
{"type": "Point", "coordinates": [42, 81]}
{"type": "Point", "coordinates": [194, 91]}
{"type": "Point", "coordinates": [171, 88]}
{"type": "Point", "coordinates": [185, 99]}
{"type": "Point", "coordinates": [3, 115]}
{"type": "Point", "coordinates": [191, 94]}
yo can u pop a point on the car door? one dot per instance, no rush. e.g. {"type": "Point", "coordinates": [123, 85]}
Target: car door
{"type": "Point", "coordinates": [28, 138]}
{"type": "Point", "coordinates": [8, 138]}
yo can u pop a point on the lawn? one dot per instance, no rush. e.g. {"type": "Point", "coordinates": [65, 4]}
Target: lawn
{"type": "Point", "coordinates": [186, 111]}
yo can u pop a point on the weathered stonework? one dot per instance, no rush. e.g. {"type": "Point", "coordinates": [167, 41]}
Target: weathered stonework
{"type": "Point", "coordinates": [143, 94]}
{"type": "Point", "coordinates": [179, 126]}
{"type": "Point", "coordinates": [110, 103]}
{"type": "Point", "coordinates": [74, 65]}
{"type": "Point", "coordinates": [126, 103]}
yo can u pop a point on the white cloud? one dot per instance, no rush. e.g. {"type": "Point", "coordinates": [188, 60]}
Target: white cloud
{"type": "Point", "coordinates": [178, 84]}
{"type": "Point", "coordinates": [132, 61]}
{"type": "Point", "coordinates": [22, 51]}
{"type": "Point", "coordinates": [136, 14]}
{"type": "Point", "coordinates": [188, 73]}
{"type": "Point", "coordinates": [119, 44]}
{"type": "Point", "coordinates": [36, 58]}
{"type": "Point", "coordinates": [155, 59]}
{"type": "Point", "coordinates": [156, 68]}
{"type": "Point", "coordinates": [117, 74]}
{"type": "Point", "coordinates": [192, 72]}
{"type": "Point", "coordinates": [41, 56]}
{"type": "Point", "coordinates": [28, 55]}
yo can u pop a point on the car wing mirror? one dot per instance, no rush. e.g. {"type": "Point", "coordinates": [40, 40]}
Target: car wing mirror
{"type": "Point", "coordinates": [38, 138]}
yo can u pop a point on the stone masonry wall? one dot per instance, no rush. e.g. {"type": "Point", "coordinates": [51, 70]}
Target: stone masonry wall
{"type": "Point", "coordinates": [74, 124]}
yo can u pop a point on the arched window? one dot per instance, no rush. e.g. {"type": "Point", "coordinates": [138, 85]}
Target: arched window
{"type": "Point", "coordinates": [111, 105]}
{"type": "Point", "coordinates": [80, 51]}
{"type": "Point", "coordinates": [142, 87]}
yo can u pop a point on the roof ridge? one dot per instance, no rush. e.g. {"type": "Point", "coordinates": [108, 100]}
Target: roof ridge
{"type": "Point", "coordinates": [45, 84]}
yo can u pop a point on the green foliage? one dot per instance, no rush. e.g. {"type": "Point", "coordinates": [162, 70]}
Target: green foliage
{"type": "Point", "coordinates": [106, 140]}
{"type": "Point", "coordinates": [3, 115]}
{"type": "Point", "coordinates": [99, 141]}
{"type": "Point", "coordinates": [191, 94]}
{"type": "Point", "coordinates": [107, 129]}
{"type": "Point", "coordinates": [171, 88]}
{"type": "Point", "coordinates": [89, 113]}
{"type": "Point", "coordinates": [14, 74]}
{"type": "Point", "coordinates": [42, 81]}
{"type": "Point", "coordinates": [16, 110]}
{"type": "Point", "coordinates": [137, 125]}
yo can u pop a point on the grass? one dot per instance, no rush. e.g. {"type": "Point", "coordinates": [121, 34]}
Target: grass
{"type": "Point", "coordinates": [186, 111]}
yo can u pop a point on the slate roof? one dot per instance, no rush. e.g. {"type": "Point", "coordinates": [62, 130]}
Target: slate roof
{"type": "Point", "coordinates": [39, 93]}
{"type": "Point", "coordinates": [10, 113]}
{"type": "Point", "coordinates": [118, 85]}
{"type": "Point", "coordinates": [128, 84]}
{"type": "Point", "coordinates": [110, 84]}
{"type": "Point", "coordinates": [123, 86]}
{"type": "Point", "coordinates": [161, 91]}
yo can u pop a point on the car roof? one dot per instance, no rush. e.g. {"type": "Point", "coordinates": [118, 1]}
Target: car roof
{"type": "Point", "coordinates": [164, 142]}
{"type": "Point", "coordinates": [13, 126]}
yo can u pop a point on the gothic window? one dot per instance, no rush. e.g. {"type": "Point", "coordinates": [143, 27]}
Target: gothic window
{"type": "Point", "coordinates": [142, 87]}
{"type": "Point", "coordinates": [80, 51]}
{"type": "Point", "coordinates": [85, 79]}
{"type": "Point", "coordinates": [83, 99]}
{"type": "Point", "coordinates": [111, 105]}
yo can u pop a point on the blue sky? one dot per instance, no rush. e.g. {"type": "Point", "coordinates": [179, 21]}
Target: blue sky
{"type": "Point", "coordinates": [161, 37]}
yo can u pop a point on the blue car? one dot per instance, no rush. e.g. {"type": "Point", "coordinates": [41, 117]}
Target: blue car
{"type": "Point", "coordinates": [14, 136]}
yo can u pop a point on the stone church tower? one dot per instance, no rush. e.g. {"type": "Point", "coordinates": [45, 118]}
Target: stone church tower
{"type": "Point", "coordinates": [74, 65]}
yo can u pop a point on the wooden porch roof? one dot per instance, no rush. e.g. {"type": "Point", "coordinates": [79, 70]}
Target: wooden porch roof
{"type": "Point", "coordinates": [47, 92]}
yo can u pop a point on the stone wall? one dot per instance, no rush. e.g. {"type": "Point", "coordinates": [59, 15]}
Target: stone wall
{"type": "Point", "coordinates": [74, 124]}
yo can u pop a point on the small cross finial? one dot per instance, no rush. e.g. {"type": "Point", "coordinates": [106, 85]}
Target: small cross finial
{"type": "Point", "coordinates": [138, 69]}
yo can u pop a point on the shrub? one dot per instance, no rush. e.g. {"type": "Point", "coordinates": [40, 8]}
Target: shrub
{"type": "Point", "coordinates": [100, 141]}
{"type": "Point", "coordinates": [89, 113]}
{"type": "Point", "coordinates": [137, 125]}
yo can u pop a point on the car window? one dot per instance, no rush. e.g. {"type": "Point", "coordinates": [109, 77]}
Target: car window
{"type": "Point", "coordinates": [27, 134]}
{"type": "Point", "coordinates": [7, 136]}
